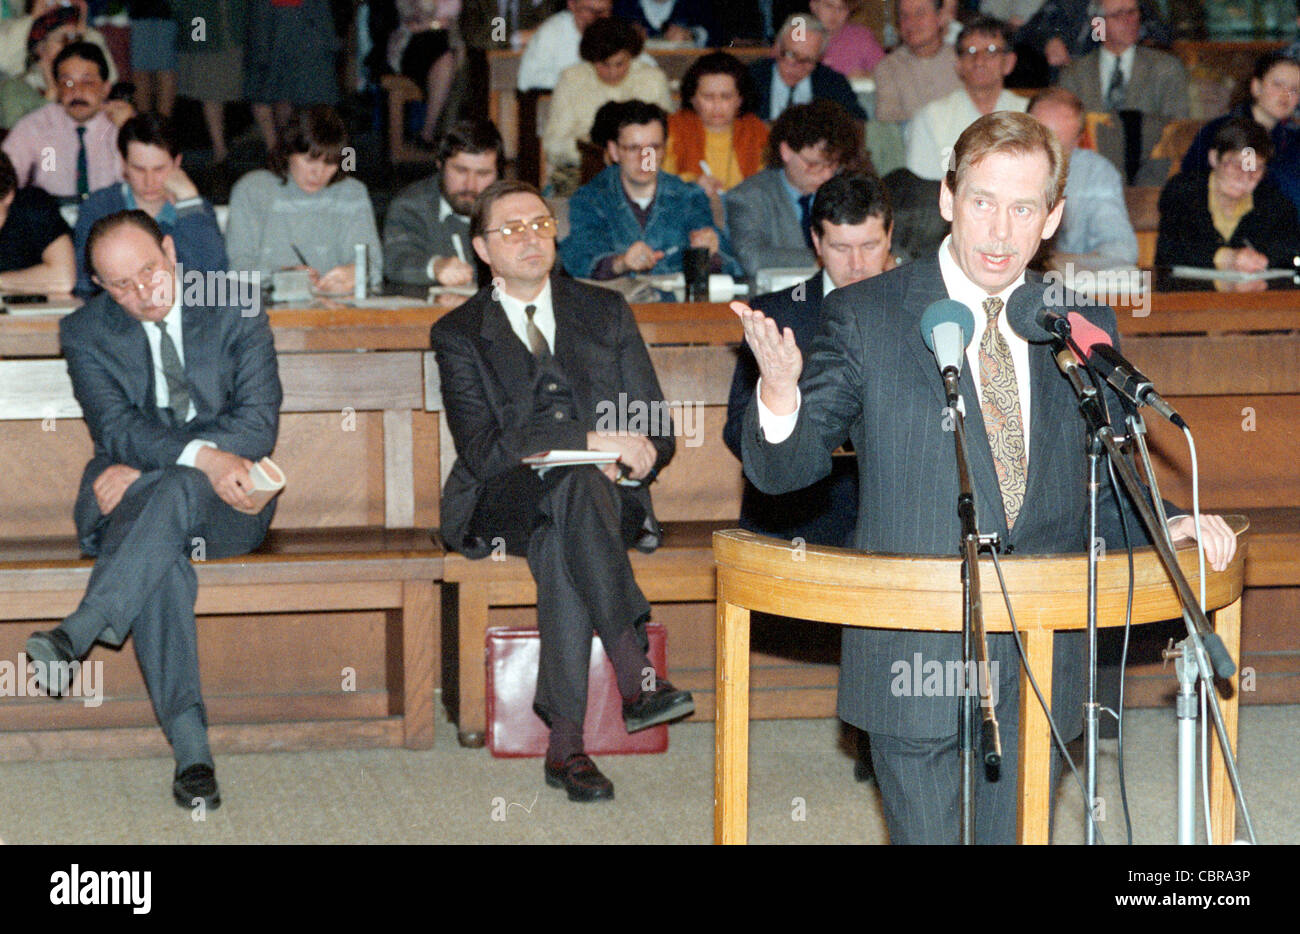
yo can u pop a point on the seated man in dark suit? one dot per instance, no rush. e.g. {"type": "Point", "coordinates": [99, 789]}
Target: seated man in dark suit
{"type": "Point", "coordinates": [852, 226]}
{"type": "Point", "coordinates": [35, 242]}
{"type": "Point", "coordinates": [769, 214]}
{"type": "Point", "coordinates": [426, 229]}
{"type": "Point", "coordinates": [795, 75]}
{"type": "Point", "coordinates": [180, 401]}
{"type": "Point", "coordinates": [532, 364]}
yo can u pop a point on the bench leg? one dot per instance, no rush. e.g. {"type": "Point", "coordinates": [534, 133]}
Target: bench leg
{"type": "Point", "coordinates": [472, 640]}
{"type": "Point", "coordinates": [421, 617]}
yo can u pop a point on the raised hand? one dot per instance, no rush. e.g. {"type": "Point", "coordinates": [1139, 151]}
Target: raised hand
{"type": "Point", "coordinates": [779, 361]}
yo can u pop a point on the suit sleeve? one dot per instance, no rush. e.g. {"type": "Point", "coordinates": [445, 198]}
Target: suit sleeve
{"type": "Point", "coordinates": [831, 390]}
{"type": "Point", "coordinates": [250, 420]}
{"type": "Point", "coordinates": [196, 227]}
{"type": "Point", "coordinates": [484, 445]}
{"type": "Point", "coordinates": [752, 237]}
{"type": "Point", "coordinates": [743, 382]}
{"type": "Point", "coordinates": [406, 254]}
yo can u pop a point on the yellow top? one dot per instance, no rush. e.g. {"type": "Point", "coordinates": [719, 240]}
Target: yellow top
{"type": "Point", "coordinates": [718, 153]}
{"type": "Point", "coordinates": [1226, 218]}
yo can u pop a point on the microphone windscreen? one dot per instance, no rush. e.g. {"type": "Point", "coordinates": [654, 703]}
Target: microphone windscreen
{"type": "Point", "coordinates": [947, 311]}
{"type": "Point", "coordinates": [1086, 334]}
{"type": "Point", "coordinates": [1022, 313]}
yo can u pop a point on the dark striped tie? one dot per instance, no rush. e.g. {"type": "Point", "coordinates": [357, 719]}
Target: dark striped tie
{"type": "Point", "coordinates": [1000, 406]}
{"type": "Point", "coordinates": [536, 340]}
{"type": "Point", "coordinates": [178, 391]}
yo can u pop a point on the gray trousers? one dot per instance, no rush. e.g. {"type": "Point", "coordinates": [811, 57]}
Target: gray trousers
{"type": "Point", "coordinates": [143, 583]}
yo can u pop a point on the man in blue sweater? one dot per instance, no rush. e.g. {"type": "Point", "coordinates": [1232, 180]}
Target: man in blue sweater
{"type": "Point", "coordinates": [634, 217]}
{"type": "Point", "coordinates": [156, 184]}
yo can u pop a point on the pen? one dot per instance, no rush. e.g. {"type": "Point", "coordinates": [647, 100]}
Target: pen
{"type": "Point", "coordinates": [298, 253]}
{"type": "Point", "coordinates": [460, 247]}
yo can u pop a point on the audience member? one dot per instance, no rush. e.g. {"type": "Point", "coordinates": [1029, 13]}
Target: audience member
{"type": "Point", "coordinates": [984, 59]}
{"type": "Point", "coordinates": [426, 229]}
{"type": "Point", "coordinates": [1229, 217]}
{"type": "Point", "coordinates": [153, 55]}
{"type": "Point", "coordinates": [496, 24]}
{"type": "Point", "coordinates": [670, 20]}
{"type": "Point", "coordinates": [1064, 30]}
{"type": "Point", "coordinates": [716, 140]}
{"type": "Point", "coordinates": [1144, 88]}
{"type": "Point", "coordinates": [1095, 231]}
{"type": "Point", "coordinates": [795, 74]}
{"type": "Point", "coordinates": [289, 50]}
{"type": "Point", "coordinates": [752, 22]}
{"type": "Point", "coordinates": [524, 367]}
{"type": "Point", "coordinates": [609, 71]}
{"type": "Point", "coordinates": [304, 212]}
{"type": "Point", "coordinates": [554, 47]}
{"type": "Point", "coordinates": [769, 216]}
{"type": "Point", "coordinates": [852, 224]}
{"type": "Point", "coordinates": [80, 131]}
{"type": "Point", "coordinates": [35, 243]}
{"type": "Point", "coordinates": [420, 48]}
{"type": "Point", "coordinates": [16, 34]}
{"type": "Point", "coordinates": [25, 91]}
{"type": "Point", "coordinates": [633, 217]}
{"type": "Point", "coordinates": [922, 69]}
{"type": "Point", "coordinates": [852, 48]}
{"type": "Point", "coordinates": [1269, 98]}
{"type": "Point", "coordinates": [210, 65]}
{"type": "Point", "coordinates": [156, 184]}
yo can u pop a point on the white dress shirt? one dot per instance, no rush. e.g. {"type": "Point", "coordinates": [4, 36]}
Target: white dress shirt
{"type": "Point", "coordinates": [543, 317]}
{"type": "Point", "coordinates": [162, 393]}
{"type": "Point", "coordinates": [776, 428]}
{"type": "Point", "coordinates": [1108, 61]}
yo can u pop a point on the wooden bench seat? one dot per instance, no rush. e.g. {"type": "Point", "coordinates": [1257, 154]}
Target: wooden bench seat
{"type": "Point", "coordinates": [1274, 556]}
{"type": "Point", "coordinates": [680, 571]}
{"type": "Point", "coordinates": [324, 636]}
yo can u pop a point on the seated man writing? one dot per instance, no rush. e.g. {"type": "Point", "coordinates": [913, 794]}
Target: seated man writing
{"type": "Point", "coordinates": [634, 217]}
{"type": "Point", "coordinates": [525, 365]}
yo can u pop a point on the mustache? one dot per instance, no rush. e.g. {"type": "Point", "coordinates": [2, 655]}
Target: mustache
{"type": "Point", "coordinates": [997, 249]}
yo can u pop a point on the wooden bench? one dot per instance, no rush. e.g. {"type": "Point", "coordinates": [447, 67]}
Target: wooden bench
{"type": "Point", "coordinates": [351, 656]}
{"type": "Point", "coordinates": [680, 571]}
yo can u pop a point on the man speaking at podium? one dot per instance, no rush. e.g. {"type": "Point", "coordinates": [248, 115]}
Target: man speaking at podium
{"type": "Point", "coordinates": [871, 378]}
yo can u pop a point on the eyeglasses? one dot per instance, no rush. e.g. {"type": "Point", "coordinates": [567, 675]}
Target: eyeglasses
{"type": "Point", "coordinates": [634, 148]}
{"type": "Point", "coordinates": [544, 227]}
{"type": "Point", "coordinates": [142, 281]}
{"type": "Point", "coordinates": [992, 50]}
{"type": "Point", "coordinates": [818, 165]}
{"type": "Point", "coordinates": [73, 83]}
{"type": "Point", "coordinates": [807, 61]}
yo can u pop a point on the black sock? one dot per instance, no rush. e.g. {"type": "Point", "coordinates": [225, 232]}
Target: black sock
{"type": "Point", "coordinates": [632, 669]}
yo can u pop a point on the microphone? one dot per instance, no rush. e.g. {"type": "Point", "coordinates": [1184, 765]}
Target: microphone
{"type": "Point", "coordinates": [1028, 315]}
{"type": "Point", "coordinates": [947, 327]}
{"type": "Point", "coordinates": [1115, 369]}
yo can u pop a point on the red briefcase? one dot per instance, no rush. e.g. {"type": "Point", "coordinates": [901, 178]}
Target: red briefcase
{"type": "Point", "coordinates": [514, 729]}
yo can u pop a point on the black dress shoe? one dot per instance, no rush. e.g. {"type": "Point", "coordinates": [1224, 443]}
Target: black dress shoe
{"type": "Point", "coordinates": [52, 653]}
{"type": "Point", "coordinates": [662, 705]}
{"type": "Point", "coordinates": [580, 778]}
{"type": "Point", "coordinates": [197, 781]}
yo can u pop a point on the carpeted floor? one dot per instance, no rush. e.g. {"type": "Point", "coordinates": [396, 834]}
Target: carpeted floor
{"type": "Point", "coordinates": [801, 791]}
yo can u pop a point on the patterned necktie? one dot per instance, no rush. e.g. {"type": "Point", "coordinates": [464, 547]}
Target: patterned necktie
{"type": "Point", "coordinates": [1000, 407]}
{"type": "Point", "coordinates": [83, 168]}
{"type": "Point", "coordinates": [178, 391]}
{"type": "Point", "coordinates": [1115, 93]}
{"type": "Point", "coordinates": [536, 340]}
{"type": "Point", "coordinates": [805, 218]}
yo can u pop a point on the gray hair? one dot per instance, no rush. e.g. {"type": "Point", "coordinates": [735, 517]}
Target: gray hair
{"type": "Point", "coordinates": [808, 22]}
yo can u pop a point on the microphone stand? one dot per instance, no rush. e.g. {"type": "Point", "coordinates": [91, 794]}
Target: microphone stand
{"type": "Point", "coordinates": [1206, 645]}
{"type": "Point", "coordinates": [975, 647]}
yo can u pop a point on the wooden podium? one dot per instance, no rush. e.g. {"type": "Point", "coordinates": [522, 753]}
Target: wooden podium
{"type": "Point", "coordinates": [1048, 593]}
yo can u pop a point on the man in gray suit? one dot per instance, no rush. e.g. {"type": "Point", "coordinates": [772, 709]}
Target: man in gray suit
{"type": "Point", "coordinates": [180, 401]}
{"type": "Point", "coordinates": [1142, 88]}
{"type": "Point", "coordinates": [539, 363]}
{"type": "Point", "coordinates": [769, 215]}
{"type": "Point", "coordinates": [426, 229]}
{"type": "Point", "coordinates": [870, 377]}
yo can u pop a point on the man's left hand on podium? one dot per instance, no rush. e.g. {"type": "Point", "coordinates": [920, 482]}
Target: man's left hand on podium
{"type": "Point", "coordinates": [1220, 541]}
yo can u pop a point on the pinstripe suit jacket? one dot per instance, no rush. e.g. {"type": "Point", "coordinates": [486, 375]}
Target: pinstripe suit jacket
{"type": "Point", "coordinates": [869, 375]}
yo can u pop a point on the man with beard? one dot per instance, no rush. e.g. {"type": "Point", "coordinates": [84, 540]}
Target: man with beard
{"type": "Point", "coordinates": [69, 148]}
{"type": "Point", "coordinates": [426, 231]}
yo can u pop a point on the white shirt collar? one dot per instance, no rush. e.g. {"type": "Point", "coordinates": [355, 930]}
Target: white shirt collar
{"type": "Point", "coordinates": [445, 210]}
{"type": "Point", "coordinates": [828, 285]}
{"type": "Point", "coordinates": [543, 316]}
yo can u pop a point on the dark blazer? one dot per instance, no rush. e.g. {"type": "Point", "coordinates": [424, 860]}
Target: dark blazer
{"type": "Point", "coordinates": [1187, 235]}
{"type": "Point", "coordinates": [233, 378]}
{"type": "Point", "coordinates": [488, 392]}
{"type": "Point", "coordinates": [826, 512]}
{"type": "Point", "coordinates": [870, 376]}
{"type": "Point", "coordinates": [827, 84]}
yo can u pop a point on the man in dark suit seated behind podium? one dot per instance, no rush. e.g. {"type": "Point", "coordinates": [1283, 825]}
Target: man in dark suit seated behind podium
{"type": "Point", "coordinates": [870, 376]}
{"type": "Point", "coordinates": [532, 364]}
{"type": "Point", "coordinates": [180, 401]}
